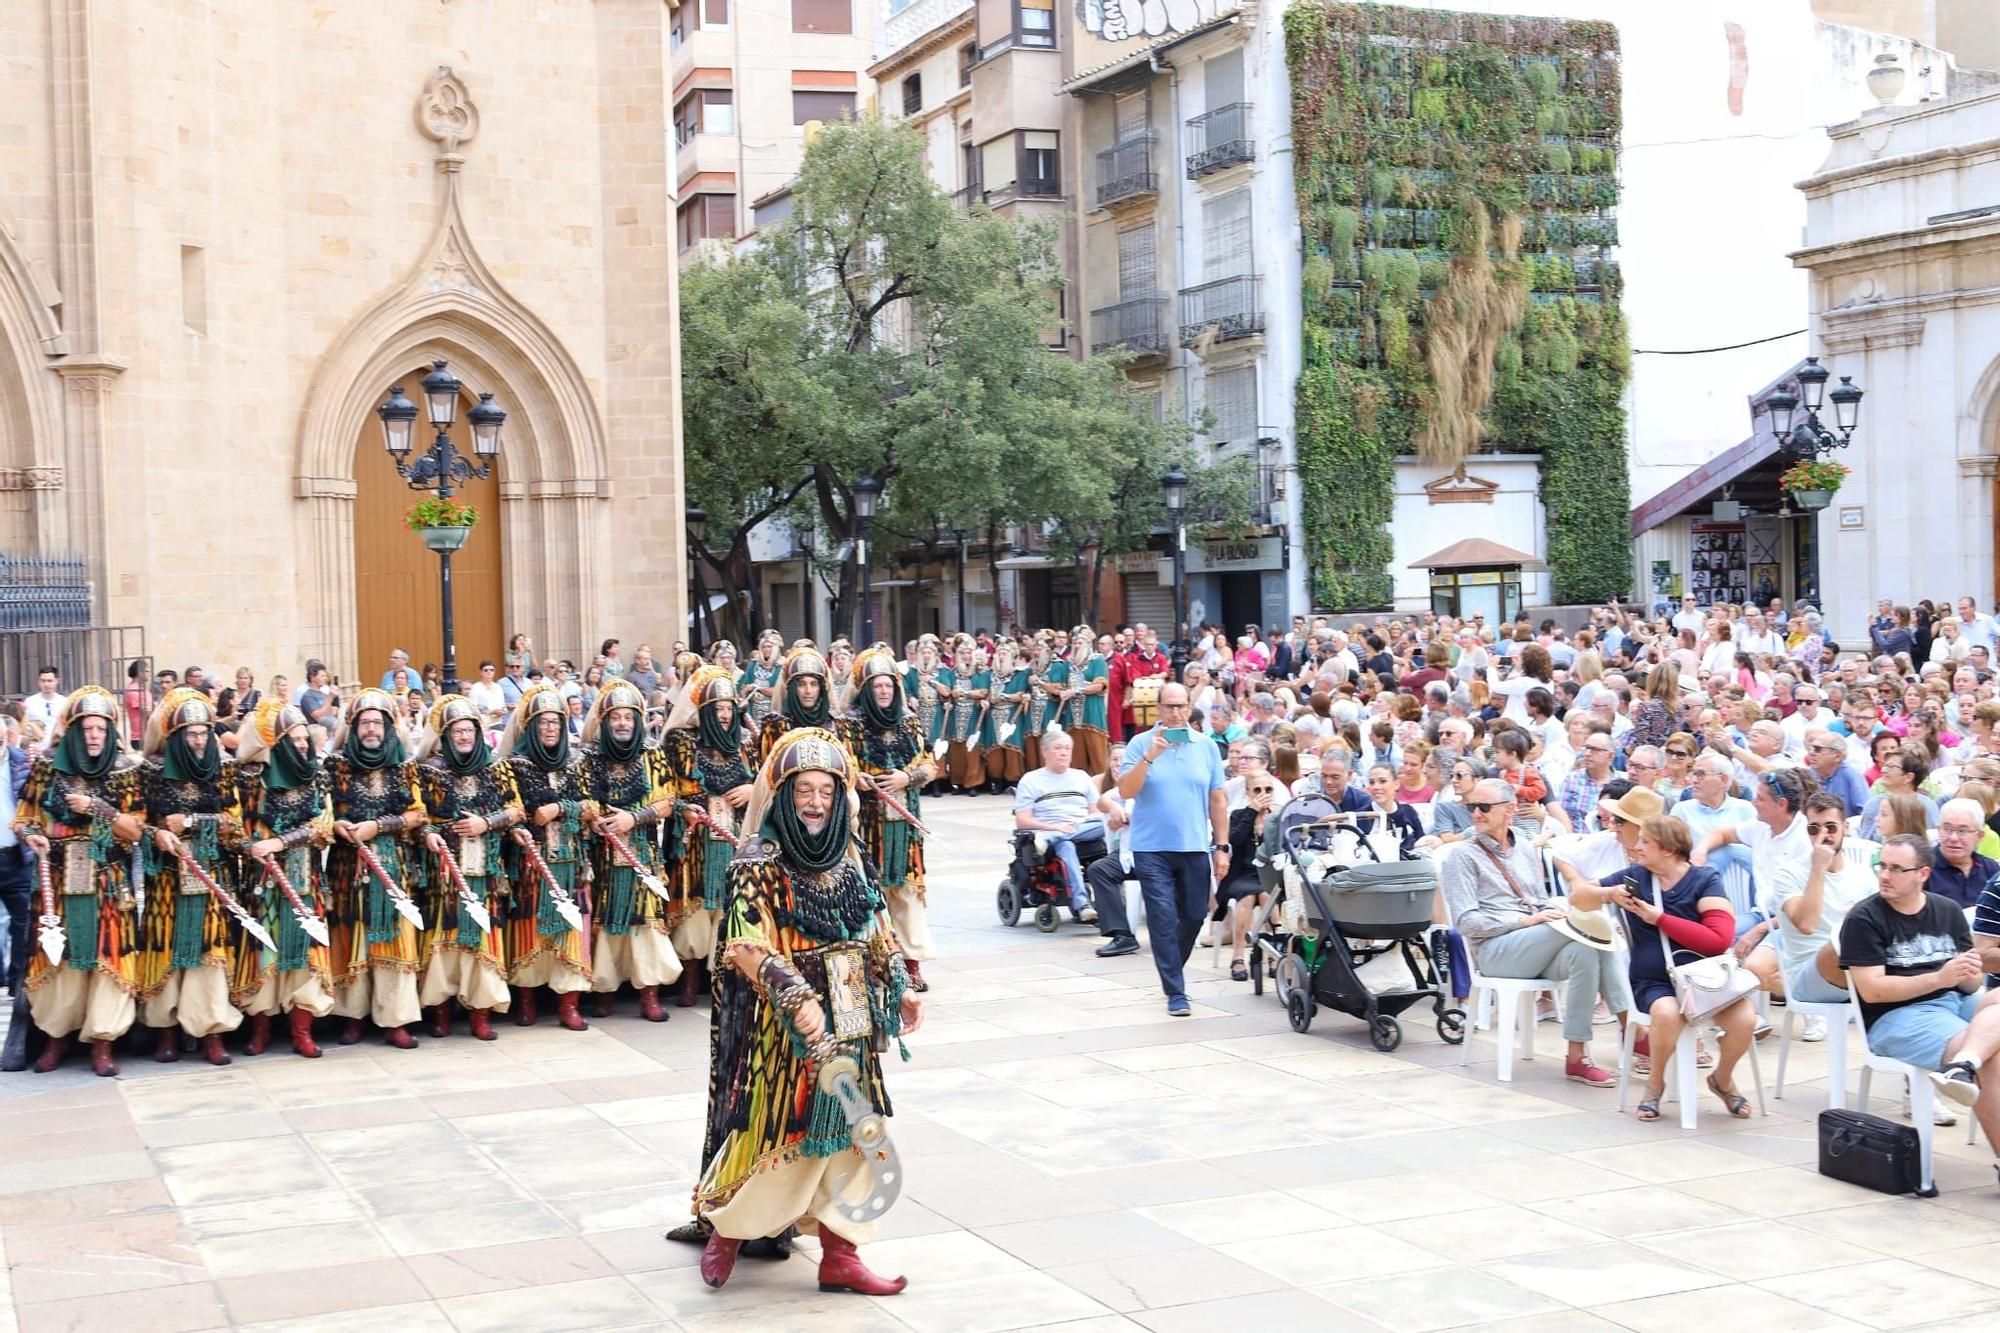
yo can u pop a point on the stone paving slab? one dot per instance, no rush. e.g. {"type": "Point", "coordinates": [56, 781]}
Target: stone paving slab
{"type": "Point", "coordinates": [1077, 1159]}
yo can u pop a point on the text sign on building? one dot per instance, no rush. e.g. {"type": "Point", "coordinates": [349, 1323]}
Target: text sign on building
{"type": "Point", "coordinates": [1219, 557]}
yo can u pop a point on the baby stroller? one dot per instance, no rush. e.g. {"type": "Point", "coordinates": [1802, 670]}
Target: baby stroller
{"type": "Point", "coordinates": [1343, 902]}
{"type": "Point", "coordinates": [1035, 881]}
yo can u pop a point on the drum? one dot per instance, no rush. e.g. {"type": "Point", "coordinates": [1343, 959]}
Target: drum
{"type": "Point", "coordinates": [1145, 697]}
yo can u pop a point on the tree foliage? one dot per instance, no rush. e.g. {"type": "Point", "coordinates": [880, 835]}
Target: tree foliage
{"type": "Point", "coordinates": [880, 332]}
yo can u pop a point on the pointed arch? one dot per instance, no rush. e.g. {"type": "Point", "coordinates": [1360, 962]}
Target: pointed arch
{"type": "Point", "coordinates": [31, 437]}
{"type": "Point", "coordinates": [554, 456]}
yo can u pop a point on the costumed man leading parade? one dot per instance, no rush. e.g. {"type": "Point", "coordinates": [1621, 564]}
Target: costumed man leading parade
{"type": "Point", "coordinates": [893, 757]}
{"type": "Point", "coordinates": [188, 951]}
{"type": "Point", "coordinates": [79, 815]}
{"type": "Point", "coordinates": [811, 971]}
{"type": "Point", "coordinates": [470, 798]}
{"type": "Point", "coordinates": [544, 947]}
{"type": "Point", "coordinates": [709, 772]}
{"type": "Point", "coordinates": [285, 816]}
{"type": "Point", "coordinates": [803, 699]}
{"type": "Point", "coordinates": [628, 781]}
{"type": "Point", "coordinates": [376, 808]}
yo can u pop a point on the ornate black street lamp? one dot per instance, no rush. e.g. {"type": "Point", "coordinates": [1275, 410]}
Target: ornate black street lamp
{"type": "Point", "coordinates": [1807, 437]}
{"type": "Point", "coordinates": [867, 491]}
{"type": "Point", "coordinates": [1175, 484]}
{"type": "Point", "coordinates": [697, 528]}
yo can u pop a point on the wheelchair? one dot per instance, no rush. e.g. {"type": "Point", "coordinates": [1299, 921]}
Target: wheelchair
{"type": "Point", "coordinates": [1035, 883]}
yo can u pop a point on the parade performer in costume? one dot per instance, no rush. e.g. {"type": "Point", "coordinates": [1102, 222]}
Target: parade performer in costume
{"type": "Point", "coordinates": [1084, 696]}
{"type": "Point", "coordinates": [805, 952]}
{"type": "Point", "coordinates": [285, 816]}
{"type": "Point", "coordinates": [543, 947]}
{"type": "Point", "coordinates": [1038, 713]}
{"type": "Point", "coordinates": [188, 941]}
{"type": "Point", "coordinates": [927, 684]}
{"type": "Point", "coordinates": [891, 753]}
{"type": "Point", "coordinates": [710, 772]}
{"type": "Point", "coordinates": [629, 783]}
{"type": "Point", "coordinates": [375, 806]}
{"type": "Point", "coordinates": [1143, 661]}
{"type": "Point", "coordinates": [79, 813]}
{"type": "Point", "coordinates": [470, 797]}
{"type": "Point", "coordinates": [1000, 734]}
{"type": "Point", "coordinates": [758, 685]}
{"type": "Point", "coordinates": [803, 698]}
{"type": "Point", "coordinates": [965, 716]}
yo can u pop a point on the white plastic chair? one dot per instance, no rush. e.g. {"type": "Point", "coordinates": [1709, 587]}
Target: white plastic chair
{"type": "Point", "coordinates": [1923, 1100]}
{"type": "Point", "coordinates": [1838, 1016]}
{"type": "Point", "coordinates": [1515, 1020]}
{"type": "Point", "coordinates": [1687, 1082]}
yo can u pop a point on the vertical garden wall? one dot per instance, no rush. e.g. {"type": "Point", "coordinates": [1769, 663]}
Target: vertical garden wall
{"type": "Point", "coordinates": [1457, 181]}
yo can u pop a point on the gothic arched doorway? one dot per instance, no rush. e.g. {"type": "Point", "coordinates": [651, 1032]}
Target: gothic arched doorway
{"type": "Point", "coordinates": [396, 596]}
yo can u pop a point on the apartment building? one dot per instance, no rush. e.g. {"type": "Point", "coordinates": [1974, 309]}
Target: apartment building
{"type": "Point", "coordinates": [1188, 258]}
{"type": "Point", "coordinates": [747, 80]}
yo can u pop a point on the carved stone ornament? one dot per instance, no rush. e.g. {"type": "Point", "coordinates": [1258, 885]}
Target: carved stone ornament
{"type": "Point", "coordinates": [1459, 489]}
{"type": "Point", "coordinates": [445, 113]}
{"type": "Point", "coordinates": [31, 479]}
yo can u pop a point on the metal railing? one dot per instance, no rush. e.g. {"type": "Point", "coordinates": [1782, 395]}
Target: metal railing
{"type": "Point", "coordinates": [1138, 325]}
{"type": "Point", "coordinates": [1125, 171]}
{"type": "Point", "coordinates": [1219, 138]}
{"type": "Point", "coordinates": [83, 655]}
{"type": "Point", "coordinates": [39, 591]}
{"type": "Point", "coordinates": [965, 198]}
{"type": "Point", "coordinates": [1229, 305]}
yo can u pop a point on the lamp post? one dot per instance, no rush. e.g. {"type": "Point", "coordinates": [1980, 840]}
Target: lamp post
{"type": "Point", "coordinates": [1175, 484]}
{"type": "Point", "coordinates": [697, 527]}
{"type": "Point", "coordinates": [867, 491]}
{"type": "Point", "coordinates": [439, 468]}
{"type": "Point", "coordinates": [1807, 437]}
{"type": "Point", "coordinates": [960, 535]}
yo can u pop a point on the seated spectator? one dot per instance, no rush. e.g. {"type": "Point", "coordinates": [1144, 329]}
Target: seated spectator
{"type": "Point", "coordinates": [1450, 820]}
{"type": "Point", "coordinates": [1412, 787]}
{"type": "Point", "coordinates": [1900, 813]}
{"type": "Point", "coordinates": [1249, 756]}
{"type": "Point", "coordinates": [1496, 900]}
{"type": "Point", "coordinates": [1242, 888]}
{"type": "Point", "coordinates": [1826, 757]}
{"type": "Point", "coordinates": [1391, 814]}
{"type": "Point", "coordinates": [1663, 895]}
{"type": "Point", "coordinates": [1576, 809]}
{"type": "Point", "coordinates": [1912, 966]}
{"type": "Point", "coordinates": [1510, 759]}
{"type": "Point", "coordinates": [1055, 801]}
{"type": "Point", "coordinates": [1958, 871]}
{"type": "Point", "coordinates": [1797, 944]}
{"type": "Point", "coordinates": [1902, 769]}
{"type": "Point", "coordinates": [1622, 810]}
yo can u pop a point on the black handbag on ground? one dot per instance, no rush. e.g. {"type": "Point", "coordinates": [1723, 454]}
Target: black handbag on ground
{"type": "Point", "coordinates": [1877, 1154]}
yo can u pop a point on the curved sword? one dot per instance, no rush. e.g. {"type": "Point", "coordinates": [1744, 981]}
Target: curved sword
{"type": "Point", "coordinates": [251, 925]}
{"type": "Point", "coordinates": [314, 928]}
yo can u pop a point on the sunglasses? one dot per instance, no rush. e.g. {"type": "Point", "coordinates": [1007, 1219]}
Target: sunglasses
{"type": "Point", "coordinates": [1681, 754]}
{"type": "Point", "coordinates": [1481, 807]}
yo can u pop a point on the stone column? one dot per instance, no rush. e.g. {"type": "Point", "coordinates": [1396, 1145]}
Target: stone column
{"type": "Point", "coordinates": [328, 631]}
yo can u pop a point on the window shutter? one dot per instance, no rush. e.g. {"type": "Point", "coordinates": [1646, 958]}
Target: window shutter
{"type": "Point", "coordinates": [1232, 403]}
{"type": "Point", "coordinates": [996, 162]}
{"type": "Point", "coordinates": [1225, 236]}
{"type": "Point", "coordinates": [1130, 114]}
{"type": "Point", "coordinates": [1222, 79]}
{"type": "Point", "coordinates": [1138, 271]}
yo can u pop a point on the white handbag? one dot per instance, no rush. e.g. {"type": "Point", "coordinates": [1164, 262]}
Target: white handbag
{"type": "Point", "coordinates": [1707, 985]}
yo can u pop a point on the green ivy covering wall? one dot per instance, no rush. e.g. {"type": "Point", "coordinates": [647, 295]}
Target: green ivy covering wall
{"type": "Point", "coordinates": [1456, 177]}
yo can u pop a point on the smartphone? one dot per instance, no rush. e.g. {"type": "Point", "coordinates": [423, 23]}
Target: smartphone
{"type": "Point", "coordinates": [1179, 735]}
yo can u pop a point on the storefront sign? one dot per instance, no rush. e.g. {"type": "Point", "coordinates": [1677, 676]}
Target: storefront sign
{"type": "Point", "coordinates": [1217, 557]}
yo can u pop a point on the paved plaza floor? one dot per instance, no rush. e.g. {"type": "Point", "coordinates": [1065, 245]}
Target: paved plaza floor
{"type": "Point", "coordinates": [1076, 1159]}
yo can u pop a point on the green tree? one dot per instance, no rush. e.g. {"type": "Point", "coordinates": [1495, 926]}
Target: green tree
{"type": "Point", "coordinates": [879, 332]}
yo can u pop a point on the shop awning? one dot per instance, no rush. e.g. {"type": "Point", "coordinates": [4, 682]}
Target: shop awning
{"type": "Point", "coordinates": [1028, 562]}
{"type": "Point", "coordinates": [1750, 470]}
{"type": "Point", "coordinates": [1479, 553]}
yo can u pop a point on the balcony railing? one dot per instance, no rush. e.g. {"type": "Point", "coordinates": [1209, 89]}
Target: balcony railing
{"type": "Point", "coordinates": [1138, 325]}
{"type": "Point", "coordinates": [906, 25]}
{"type": "Point", "coordinates": [1218, 139]}
{"type": "Point", "coordinates": [964, 199]}
{"type": "Point", "coordinates": [1031, 188]}
{"type": "Point", "coordinates": [1125, 171]}
{"type": "Point", "coordinates": [1228, 305]}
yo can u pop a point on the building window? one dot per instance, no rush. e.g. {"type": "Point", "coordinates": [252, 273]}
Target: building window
{"type": "Point", "coordinates": [913, 94]}
{"type": "Point", "coordinates": [683, 24]}
{"type": "Point", "coordinates": [714, 13]}
{"type": "Point", "coordinates": [1138, 271]}
{"type": "Point", "coordinates": [829, 16]}
{"type": "Point", "coordinates": [706, 216]}
{"type": "Point", "coordinates": [968, 56]}
{"type": "Point", "coordinates": [1041, 164]}
{"type": "Point", "coordinates": [705, 111]}
{"type": "Point", "coordinates": [1225, 236]}
{"type": "Point", "coordinates": [1232, 405]}
{"type": "Point", "coordinates": [811, 104]}
{"type": "Point", "coordinates": [1035, 22]}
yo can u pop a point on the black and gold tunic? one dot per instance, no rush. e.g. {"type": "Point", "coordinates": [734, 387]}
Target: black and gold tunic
{"type": "Point", "coordinates": [301, 817]}
{"type": "Point", "coordinates": [534, 926]}
{"type": "Point", "coordinates": [635, 786]}
{"type": "Point", "coordinates": [487, 793]}
{"type": "Point", "coordinates": [702, 777]}
{"type": "Point", "coordinates": [895, 848]}
{"type": "Point", "coordinates": [366, 929]}
{"type": "Point", "coordinates": [89, 868]}
{"type": "Point", "coordinates": [184, 925]}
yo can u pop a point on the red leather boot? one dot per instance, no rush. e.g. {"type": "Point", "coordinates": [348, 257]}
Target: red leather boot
{"type": "Point", "coordinates": [689, 989]}
{"type": "Point", "coordinates": [167, 1046]}
{"type": "Point", "coordinates": [649, 1005]}
{"type": "Point", "coordinates": [260, 1034]}
{"type": "Point", "coordinates": [566, 1013]}
{"type": "Point", "coordinates": [841, 1269]}
{"type": "Point", "coordinates": [350, 1031]}
{"type": "Point", "coordinates": [212, 1049]}
{"type": "Point", "coordinates": [441, 1019]}
{"type": "Point", "coordinates": [718, 1258]}
{"type": "Point", "coordinates": [480, 1023]}
{"type": "Point", "coordinates": [302, 1035]}
{"type": "Point", "coordinates": [52, 1056]}
{"type": "Point", "coordinates": [101, 1063]}
{"type": "Point", "coordinates": [524, 1006]}
{"type": "Point", "coordinates": [400, 1038]}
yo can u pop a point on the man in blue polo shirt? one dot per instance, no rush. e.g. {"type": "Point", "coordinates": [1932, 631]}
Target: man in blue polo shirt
{"type": "Point", "coordinates": [1179, 836]}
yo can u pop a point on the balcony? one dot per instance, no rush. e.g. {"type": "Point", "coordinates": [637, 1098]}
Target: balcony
{"type": "Point", "coordinates": [1138, 326]}
{"type": "Point", "coordinates": [1218, 139]}
{"type": "Point", "coordinates": [1033, 188]}
{"type": "Point", "coordinates": [1227, 305]}
{"type": "Point", "coordinates": [964, 199]}
{"type": "Point", "coordinates": [906, 25]}
{"type": "Point", "coordinates": [1125, 172]}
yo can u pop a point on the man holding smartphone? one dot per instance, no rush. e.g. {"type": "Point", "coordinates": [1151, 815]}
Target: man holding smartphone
{"type": "Point", "coordinates": [1179, 834]}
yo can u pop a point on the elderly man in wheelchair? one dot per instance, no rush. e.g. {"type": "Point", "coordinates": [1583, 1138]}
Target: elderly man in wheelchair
{"type": "Point", "coordinates": [1057, 833]}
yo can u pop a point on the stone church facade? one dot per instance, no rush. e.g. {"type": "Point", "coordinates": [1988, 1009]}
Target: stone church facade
{"type": "Point", "coordinates": [226, 229]}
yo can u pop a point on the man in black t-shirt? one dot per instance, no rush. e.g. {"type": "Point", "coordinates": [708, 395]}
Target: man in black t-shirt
{"type": "Point", "coordinates": [1910, 958]}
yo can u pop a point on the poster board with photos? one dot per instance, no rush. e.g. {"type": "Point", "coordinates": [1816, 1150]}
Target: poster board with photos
{"type": "Point", "coordinates": [1718, 563]}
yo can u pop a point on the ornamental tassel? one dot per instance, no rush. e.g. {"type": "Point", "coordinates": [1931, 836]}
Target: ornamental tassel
{"type": "Point", "coordinates": [548, 922]}
{"type": "Point", "coordinates": [469, 934]}
{"type": "Point", "coordinates": [715, 856]}
{"type": "Point", "coordinates": [618, 900]}
{"type": "Point", "coordinates": [291, 940]}
{"type": "Point", "coordinates": [82, 920]}
{"type": "Point", "coordinates": [896, 838]}
{"type": "Point", "coordinates": [382, 918]}
{"type": "Point", "coordinates": [190, 918]}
